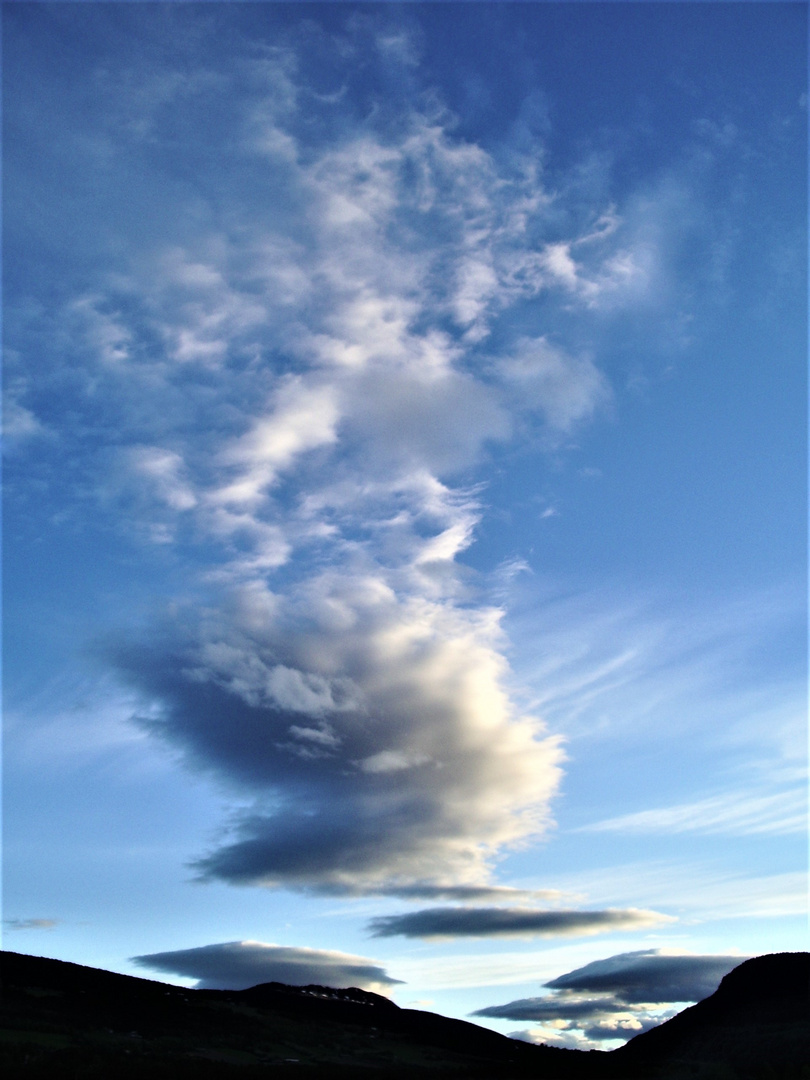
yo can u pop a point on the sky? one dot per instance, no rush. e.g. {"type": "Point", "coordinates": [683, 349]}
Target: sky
{"type": "Point", "coordinates": [404, 499]}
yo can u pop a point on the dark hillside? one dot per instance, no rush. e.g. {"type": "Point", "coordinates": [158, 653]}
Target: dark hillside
{"type": "Point", "coordinates": [757, 1020]}
{"type": "Point", "coordinates": [63, 1020]}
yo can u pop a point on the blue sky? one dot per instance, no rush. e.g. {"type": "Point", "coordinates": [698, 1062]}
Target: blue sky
{"type": "Point", "coordinates": [404, 514]}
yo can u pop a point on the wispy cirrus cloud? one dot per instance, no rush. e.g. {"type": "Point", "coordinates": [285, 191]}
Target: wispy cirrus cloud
{"type": "Point", "coordinates": [735, 814]}
{"type": "Point", "coordinates": [695, 889]}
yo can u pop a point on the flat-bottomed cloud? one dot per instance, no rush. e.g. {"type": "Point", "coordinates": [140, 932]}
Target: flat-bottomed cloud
{"type": "Point", "coordinates": [452, 922]}
{"type": "Point", "coordinates": [237, 965]}
{"type": "Point", "coordinates": [617, 997]}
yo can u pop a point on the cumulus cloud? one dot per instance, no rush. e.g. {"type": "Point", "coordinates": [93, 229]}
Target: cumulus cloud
{"type": "Point", "coordinates": [510, 922]}
{"type": "Point", "coordinates": [374, 735]}
{"type": "Point", "coordinates": [615, 998]}
{"type": "Point", "coordinates": [238, 965]}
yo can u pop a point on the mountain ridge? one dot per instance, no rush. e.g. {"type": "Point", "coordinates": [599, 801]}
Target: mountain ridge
{"type": "Point", "coordinates": [61, 1018]}
{"type": "Point", "coordinates": [761, 1008]}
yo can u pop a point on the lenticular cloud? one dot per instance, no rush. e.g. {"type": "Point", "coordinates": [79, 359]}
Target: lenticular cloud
{"type": "Point", "coordinates": [303, 399]}
{"type": "Point", "coordinates": [238, 965]}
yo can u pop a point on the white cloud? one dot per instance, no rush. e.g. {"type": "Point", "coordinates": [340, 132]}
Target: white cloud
{"type": "Point", "coordinates": [19, 422]}
{"type": "Point", "coordinates": [562, 387]}
{"type": "Point", "coordinates": [421, 770]}
{"type": "Point", "coordinates": [603, 1031]}
{"type": "Point", "coordinates": [557, 260]}
{"type": "Point", "coordinates": [164, 469]}
{"type": "Point", "coordinates": [300, 419]}
{"type": "Point", "coordinates": [202, 312]}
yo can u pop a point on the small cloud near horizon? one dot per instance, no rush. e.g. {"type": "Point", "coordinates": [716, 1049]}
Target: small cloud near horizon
{"type": "Point", "coordinates": [30, 924]}
{"type": "Point", "coordinates": [616, 998]}
{"type": "Point", "coordinates": [238, 965]}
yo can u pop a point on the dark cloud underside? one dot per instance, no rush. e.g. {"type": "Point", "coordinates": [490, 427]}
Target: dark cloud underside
{"type": "Point", "coordinates": [615, 998]}
{"type": "Point", "coordinates": [553, 1008]}
{"type": "Point", "coordinates": [237, 965]}
{"type": "Point", "coordinates": [650, 976]}
{"type": "Point", "coordinates": [509, 922]}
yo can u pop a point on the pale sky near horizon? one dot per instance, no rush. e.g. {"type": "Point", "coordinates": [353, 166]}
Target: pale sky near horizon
{"type": "Point", "coordinates": [404, 498]}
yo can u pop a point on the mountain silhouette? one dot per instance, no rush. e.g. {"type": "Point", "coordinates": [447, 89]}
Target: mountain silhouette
{"type": "Point", "coordinates": [757, 1019]}
{"type": "Point", "coordinates": [59, 1019]}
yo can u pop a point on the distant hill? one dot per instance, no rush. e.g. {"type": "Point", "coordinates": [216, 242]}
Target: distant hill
{"type": "Point", "coordinates": [63, 1020]}
{"type": "Point", "coordinates": [60, 1019]}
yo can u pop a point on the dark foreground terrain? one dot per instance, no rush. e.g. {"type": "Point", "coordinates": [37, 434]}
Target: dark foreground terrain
{"type": "Point", "coordinates": [63, 1020]}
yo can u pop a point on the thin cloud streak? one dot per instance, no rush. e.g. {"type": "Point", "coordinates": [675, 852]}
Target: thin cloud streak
{"type": "Point", "coordinates": [470, 893]}
{"type": "Point", "coordinates": [624, 658]}
{"type": "Point", "coordinates": [31, 924]}
{"type": "Point", "coordinates": [735, 814]}
{"type": "Point", "coordinates": [695, 890]}
{"type": "Point", "coordinates": [511, 922]}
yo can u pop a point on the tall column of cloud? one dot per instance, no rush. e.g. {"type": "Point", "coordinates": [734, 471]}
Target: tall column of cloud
{"type": "Point", "coordinates": [316, 415]}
